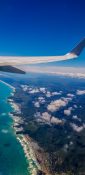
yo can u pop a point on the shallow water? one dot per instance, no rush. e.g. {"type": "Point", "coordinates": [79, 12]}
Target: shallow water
{"type": "Point", "coordinates": [12, 158]}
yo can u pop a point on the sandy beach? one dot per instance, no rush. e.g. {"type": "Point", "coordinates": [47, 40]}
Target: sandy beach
{"type": "Point", "coordinates": [33, 165]}
{"type": "Point", "coordinates": [35, 156]}
{"type": "Point", "coordinates": [37, 159]}
{"type": "Point", "coordinates": [30, 155]}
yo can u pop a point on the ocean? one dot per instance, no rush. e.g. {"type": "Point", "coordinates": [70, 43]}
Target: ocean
{"type": "Point", "coordinates": [12, 158]}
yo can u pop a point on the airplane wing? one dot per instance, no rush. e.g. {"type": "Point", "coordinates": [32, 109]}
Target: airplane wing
{"type": "Point", "coordinates": [11, 69]}
{"type": "Point", "coordinates": [7, 62]}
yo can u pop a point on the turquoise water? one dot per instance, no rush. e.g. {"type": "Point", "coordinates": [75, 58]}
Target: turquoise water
{"type": "Point", "coordinates": [12, 158]}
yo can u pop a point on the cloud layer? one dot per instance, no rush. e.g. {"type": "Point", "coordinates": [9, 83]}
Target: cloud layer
{"type": "Point", "coordinates": [64, 71]}
{"type": "Point", "coordinates": [57, 104]}
{"type": "Point", "coordinates": [80, 92]}
{"type": "Point", "coordinates": [47, 118]}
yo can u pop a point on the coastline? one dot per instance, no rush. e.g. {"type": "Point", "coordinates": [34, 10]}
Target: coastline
{"type": "Point", "coordinates": [34, 157]}
{"type": "Point", "coordinates": [10, 148]}
{"type": "Point", "coordinates": [33, 165]}
{"type": "Point", "coordinates": [37, 159]}
{"type": "Point", "coordinates": [8, 85]}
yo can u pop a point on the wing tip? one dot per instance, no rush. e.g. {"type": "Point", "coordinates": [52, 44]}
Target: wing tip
{"type": "Point", "coordinates": [78, 48]}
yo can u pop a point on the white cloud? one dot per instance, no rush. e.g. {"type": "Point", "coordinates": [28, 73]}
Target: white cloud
{"type": "Point", "coordinates": [48, 94]}
{"type": "Point", "coordinates": [75, 106]}
{"type": "Point", "coordinates": [56, 93]}
{"type": "Point", "coordinates": [30, 88]}
{"type": "Point", "coordinates": [57, 104]}
{"type": "Point", "coordinates": [36, 104]}
{"type": "Point", "coordinates": [41, 100]}
{"type": "Point", "coordinates": [45, 117]}
{"type": "Point", "coordinates": [70, 95]}
{"type": "Point", "coordinates": [55, 120]}
{"type": "Point", "coordinates": [63, 71]}
{"type": "Point", "coordinates": [75, 117]}
{"type": "Point", "coordinates": [24, 87]}
{"type": "Point", "coordinates": [66, 99]}
{"type": "Point", "coordinates": [71, 143]}
{"type": "Point", "coordinates": [43, 90]}
{"type": "Point", "coordinates": [33, 90]}
{"type": "Point", "coordinates": [76, 127]}
{"type": "Point", "coordinates": [66, 146]}
{"type": "Point", "coordinates": [68, 111]}
{"type": "Point", "coordinates": [37, 114]}
{"type": "Point", "coordinates": [80, 92]}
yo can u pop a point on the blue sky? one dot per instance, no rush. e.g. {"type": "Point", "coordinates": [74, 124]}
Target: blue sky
{"type": "Point", "coordinates": [42, 27]}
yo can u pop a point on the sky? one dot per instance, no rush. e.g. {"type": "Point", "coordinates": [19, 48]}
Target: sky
{"type": "Point", "coordinates": [42, 27]}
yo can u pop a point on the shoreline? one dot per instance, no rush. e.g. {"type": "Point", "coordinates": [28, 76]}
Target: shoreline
{"type": "Point", "coordinates": [13, 88]}
{"type": "Point", "coordinates": [35, 157]}
{"type": "Point", "coordinates": [33, 165]}
{"type": "Point", "coordinates": [34, 154]}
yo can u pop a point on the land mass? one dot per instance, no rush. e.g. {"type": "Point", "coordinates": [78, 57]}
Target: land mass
{"type": "Point", "coordinates": [59, 148]}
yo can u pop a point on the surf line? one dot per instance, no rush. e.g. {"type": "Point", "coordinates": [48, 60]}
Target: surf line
{"type": "Point", "coordinates": [12, 87]}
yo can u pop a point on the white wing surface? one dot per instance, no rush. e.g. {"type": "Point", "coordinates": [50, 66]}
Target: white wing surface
{"type": "Point", "coordinates": [7, 63]}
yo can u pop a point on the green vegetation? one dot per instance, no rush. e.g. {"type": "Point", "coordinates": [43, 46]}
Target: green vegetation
{"type": "Point", "coordinates": [65, 147]}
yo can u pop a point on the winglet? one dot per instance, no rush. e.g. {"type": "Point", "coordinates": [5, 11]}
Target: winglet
{"type": "Point", "coordinates": [78, 49]}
